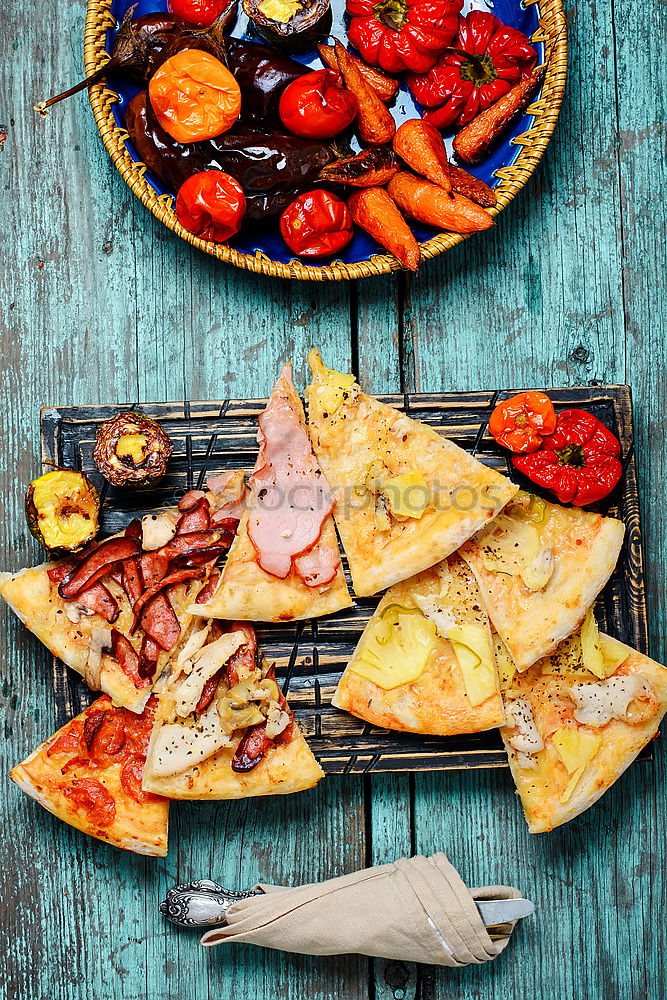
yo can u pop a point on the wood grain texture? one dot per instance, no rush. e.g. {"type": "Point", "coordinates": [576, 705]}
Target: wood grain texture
{"type": "Point", "coordinates": [100, 303]}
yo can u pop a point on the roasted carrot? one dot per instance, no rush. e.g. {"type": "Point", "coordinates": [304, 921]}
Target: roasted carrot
{"type": "Point", "coordinates": [428, 203]}
{"type": "Point", "coordinates": [372, 167]}
{"type": "Point", "coordinates": [374, 211]}
{"type": "Point", "coordinates": [375, 123]}
{"type": "Point", "coordinates": [474, 140]}
{"type": "Point", "coordinates": [470, 186]}
{"type": "Point", "coordinates": [422, 148]}
{"type": "Point", "coordinates": [384, 86]}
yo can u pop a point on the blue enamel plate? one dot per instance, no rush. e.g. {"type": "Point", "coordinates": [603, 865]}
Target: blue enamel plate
{"type": "Point", "coordinates": [262, 249]}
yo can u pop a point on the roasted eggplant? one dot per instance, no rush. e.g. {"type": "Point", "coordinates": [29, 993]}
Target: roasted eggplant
{"type": "Point", "coordinates": [62, 508]}
{"type": "Point", "coordinates": [272, 168]}
{"type": "Point", "coordinates": [294, 25]}
{"type": "Point", "coordinates": [132, 450]}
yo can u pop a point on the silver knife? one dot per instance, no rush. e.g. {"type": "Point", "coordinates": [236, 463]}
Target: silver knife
{"type": "Point", "coordinates": [205, 904]}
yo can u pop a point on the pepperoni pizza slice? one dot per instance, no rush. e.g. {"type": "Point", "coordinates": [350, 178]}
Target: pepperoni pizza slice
{"type": "Point", "coordinates": [284, 563]}
{"type": "Point", "coordinates": [116, 610]}
{"type": "Point", "coordinates": [89, 775]}
{"type": "Point", "coordinates": [223, 728]}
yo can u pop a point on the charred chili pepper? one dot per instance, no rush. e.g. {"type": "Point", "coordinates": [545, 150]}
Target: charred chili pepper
{"type": "Point", "coordinates": [132, 450]}
{"type": "Point", "coordinates": [473, 141]}
{"type": "Point", "coordinates": [317, 106]}
{"type": "Point", "coordinates": [316, 224]}
{"type": "Point", "coordinates": [194, 96]}
{"type": "Point", "coordinates": [211, 205]}
{"type": "Point", "coordinates": [400, 35]}
{"type": "Point", "coordinates": [372, 167]}
{"type": "Point", "coordinates": [485, 60]}
{"type": "Point", "coordinates": [579, 462]}
{"type": "Point", "coordinates": [522, 422]}
{"type": "Point", "coordinates": [62, 509]}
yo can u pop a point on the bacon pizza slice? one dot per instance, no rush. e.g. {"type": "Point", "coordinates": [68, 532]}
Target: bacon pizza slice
{"type": "Point", "coordinates": [576, 720]}
{"type": "Point", "coordinates": [116, 610]}
{"type": "Point", "coordinates": [284, 563]}
{"type": "Point", "coordinates": [223, 728]}
{"type": "Point", "coordinates": [89, 775]}
{"type": "Point", "coordinates": [539, 567]}
{"type": "Point", "coordinates": [425, 662]}
{"type": "Point", "coordinates": [406, 497]}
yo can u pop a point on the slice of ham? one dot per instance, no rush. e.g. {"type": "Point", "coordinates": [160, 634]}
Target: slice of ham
{"type": "Point", "coordinates": [291, 497]}
{"type": "Point", "coordinates": [318, 566]}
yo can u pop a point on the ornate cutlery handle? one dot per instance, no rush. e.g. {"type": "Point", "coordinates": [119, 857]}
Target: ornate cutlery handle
{"type": "Point", "coordinates": [201, 904]}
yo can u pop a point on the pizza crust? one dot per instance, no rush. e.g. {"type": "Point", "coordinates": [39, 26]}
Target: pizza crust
{"type": "Point", "coordinates": [436, 703]}
{"type": "Point", "coordinates": [585, 549]}
{"type": "Point", "coordinates": [541, 789]}
{"type": "Point", "coordinates": [248, 593]}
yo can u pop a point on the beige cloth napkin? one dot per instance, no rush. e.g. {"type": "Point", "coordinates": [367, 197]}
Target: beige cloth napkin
{"type": "Point", "coordinates": [415, 910]}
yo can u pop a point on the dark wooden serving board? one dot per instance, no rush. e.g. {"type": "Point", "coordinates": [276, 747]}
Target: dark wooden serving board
{"type": "Point", "coordinates": [310, 656]}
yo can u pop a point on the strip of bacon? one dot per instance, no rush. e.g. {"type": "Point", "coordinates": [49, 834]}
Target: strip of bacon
{"type": "Point", "coordinates": [180, 576]}
{"type": "Point", "coordinates": [208, 590]}
{"type": "Point", "coordinates": [159, 622]}
{"type": "Point", "coordinates": [127, 657]}
{"type": "Point", "coordinates": [100, 600]}
{"type": "Point", "coordinates": [97, 564]}
{"type": "Point", "coordinates": [291, 495]}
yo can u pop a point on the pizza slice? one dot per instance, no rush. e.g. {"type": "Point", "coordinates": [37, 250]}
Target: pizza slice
{"type": "Point", "coordinates": [116, 610]}
{"type": "Point", "coordinates": [285, 562]}
{"type": "Point", "coordinates": [576, 720]}
{"type": "Point", "coordinates": [425, 662]}
{"type": "Point", "coordinates": [539, 567]}
{"type": "Point", "coordinates": [406, 497]}
{"type": "Point", "coordinates": [223, 728]}
{"type": "Point", "coordinates": [89, 775]}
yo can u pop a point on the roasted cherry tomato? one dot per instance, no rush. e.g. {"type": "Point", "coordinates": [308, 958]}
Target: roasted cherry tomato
{"type": "Point", "coordinates": [317, 106]}
{"type": "Point", "coordinates": [194, 96]}
{"type": "Point", "coordinates": [211, 204]}
{"type": "Point", "coordinates": [316, 224]}
{"type": "Point", "coordinates": [520, 423]}
{"type": "Point", "coordinates": [201, 13]}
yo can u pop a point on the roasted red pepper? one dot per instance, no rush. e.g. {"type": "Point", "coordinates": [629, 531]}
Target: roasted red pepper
{"type": "Point", "coordinates": [520, 423]}
{"type": "Point", "coordinates": [486, 59]}
{"type": "Point", "coordinates": [579, 462]}
{"type": "Point", "coordinates": [316, 224]}
{"type": "Point", "coordinates": [400, 35]}
{"type": "Point", "coordinates": [317, 106]}
{"type": "Point", "coordinates": [211, 205]}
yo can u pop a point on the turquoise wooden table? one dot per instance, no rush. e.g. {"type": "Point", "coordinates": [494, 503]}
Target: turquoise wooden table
{"type": "Point", "coordinates": [100, 304]}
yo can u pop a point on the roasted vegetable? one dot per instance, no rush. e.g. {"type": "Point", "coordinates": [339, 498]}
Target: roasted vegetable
{"type": "Point", "coordinates": [428, 203]}
{"type": "Point", "coordinates": [373, 167]}
{"type": "Point", "coordinates": [211, 205]}
{"type": "Point", "coordinates": [374, 210]}
{"type": "Point", "coordinates": [271, 168]}
{"type": "Point", "coordinates": [375, 123]}
{"type": "Point", "coordinates": [290, 24]}
{"type": "Point", "coordinates": [471, 187]}
{"type": "Point", "coordinates": [194, 96]}
{"type": "Point", "coordinates": [485, 60]}
{"type": "Point", "coordinates": [384, 86]}
{"type": "Point", "coordinates": [400, 35]}
{"type": "Point", "coordinates": [474, 141]}
{"type": "Point", "coordinates": [262, 74]}
{"type": "Point", "coordinates": [201, 13]}
{"type": "Point", "coordinates": [132, 450]}
{"type": "Point", "coordinates": [422, 148]}
{"type": "Point", "coordinates": [62, 509]}
{"type": "Point", "coordinates": [521, 422]}
{"type": "Point", "coordinates": [316, 224]}
{"type": "Point", "coordinates": [317, 106]}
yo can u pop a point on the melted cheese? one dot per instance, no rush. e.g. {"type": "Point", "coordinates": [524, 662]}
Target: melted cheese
{"type": "Point", "coordinates": [519, 717]}
{"type": "Point", "coordinates": [598, 704]}
{"type": "Point", "coordinates": [442, 618]}
{"type": "Point", "coordinates": [205, 663]}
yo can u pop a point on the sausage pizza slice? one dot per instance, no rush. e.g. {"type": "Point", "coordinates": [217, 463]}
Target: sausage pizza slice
{"type": "Point", "coordinates": [284, 563]}
{"type": "Point", "coordinates": [576, 720]}
{"type": "Point", "coordinates": [89, 775]}
{"type": "Point", "coordinates": [223, 727]}
{"type": "Point", "coordinates": [406, 497]}
{"type": "Point", "coordinates": [539, 567]}
{"type": "Point", "coordinates": [116, 610]}
{"type": "Point", "coordinates": [425, 662]}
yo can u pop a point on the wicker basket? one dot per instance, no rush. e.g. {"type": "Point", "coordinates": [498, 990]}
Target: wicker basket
{"type": "Point", "coordinates": [533, 143]}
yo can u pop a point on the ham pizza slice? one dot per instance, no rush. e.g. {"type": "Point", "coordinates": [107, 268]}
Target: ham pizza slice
{"type": "Point", "coordinates": [223, 727]}
{"type": "Point", "coordinates": [89, 775]}
{"type": "Point", "coordinates": [116, 610]}
{"type": "Point", "coordinates": [405, 496]}
{"type": "Point", "coordinates": [284, 563]}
